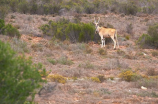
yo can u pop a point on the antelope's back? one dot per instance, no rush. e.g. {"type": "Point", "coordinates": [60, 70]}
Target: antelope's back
{"type": "Point", "coordinates": [107, 31]}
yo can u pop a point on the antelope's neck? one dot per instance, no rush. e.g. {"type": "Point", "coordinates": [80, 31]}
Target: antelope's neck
{"type": "Point", "coordinates": [98, 28]}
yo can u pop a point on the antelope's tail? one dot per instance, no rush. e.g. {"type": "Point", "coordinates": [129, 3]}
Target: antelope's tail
{"type": "Point", "coordinates": [116, 38]}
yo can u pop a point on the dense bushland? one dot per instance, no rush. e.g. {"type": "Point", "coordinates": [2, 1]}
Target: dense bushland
{"type": "Point", "coordinates": [18, 76]}
{"type": "Point", "coordinates": [150, 39]}
{"type": "Point", "coordinates": [8, 29]}
{"type": "Point", "coordinates": [66, 30]}
{"type": "Point", "coordinates": [78, 6]}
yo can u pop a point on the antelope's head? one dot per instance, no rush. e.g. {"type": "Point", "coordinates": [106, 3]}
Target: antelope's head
{"type": "Point", "coordinates": [96, 24]}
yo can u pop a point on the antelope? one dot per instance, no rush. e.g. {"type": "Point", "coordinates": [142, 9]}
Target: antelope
{"type": "Point", "coordinates": [106, 32]}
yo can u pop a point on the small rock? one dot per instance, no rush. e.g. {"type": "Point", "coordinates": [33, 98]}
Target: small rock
{"type": "Point", "coordinates": [144, 88]}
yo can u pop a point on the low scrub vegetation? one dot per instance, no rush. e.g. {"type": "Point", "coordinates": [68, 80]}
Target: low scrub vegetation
{"type": "Point", "coordinates": [150, 39]}
{"type": "Point", "coordinates": [129, 75]}
{"type": "Point", "coordinates": [101, 51]}
{"type": "Point", "coordinates": [147, 82]}
{"type": "Point", "coordinates": [65, 30]}
{"type": "Point", "coordinates": [61, 60]}
{"type": "Point", "coordinates": [128, 7]}
{"type": "Point", "coordinates": [56, 78]}
{"type": "Point", "coordinates": [8, 29]}
{"type": "Point", "coordinates": [98, 79]}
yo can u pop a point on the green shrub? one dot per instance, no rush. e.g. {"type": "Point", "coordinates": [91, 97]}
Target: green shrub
{"type": "Point", "coordinates": [145, 41]}
{"type": "Point", "coordinates": [18, 76]}
{"type": "Point", "coordinates": [89, 9]}
{"type": "Point", "coordinates": [65, 30]}
{"type": "Point", "coordinates": [23, 7]}
{"type": "Point", "coordinates": [128, 8]}
{"type": "Point", "coordinates": [150, 40]}
{"type": "Point", "coordinates": [11, 31]}
{"type": "Point", "coordinates": [153, 32]}
{"type": "Point", "coordinates": [2, 24]}
{"type": "Point", "coordinates": [4, 10]}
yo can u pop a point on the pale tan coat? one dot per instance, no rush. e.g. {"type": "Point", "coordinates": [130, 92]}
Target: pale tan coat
{"type": "Point", "coordinates": [107, 32]}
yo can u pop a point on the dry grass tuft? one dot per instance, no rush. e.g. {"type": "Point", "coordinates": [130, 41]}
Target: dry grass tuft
{"type": "Point", "coordinates": [129, 75]}
{"type": "Point", "coordinates": [101, 51]}
{"type": "Point", "coordinates": [56, 78]}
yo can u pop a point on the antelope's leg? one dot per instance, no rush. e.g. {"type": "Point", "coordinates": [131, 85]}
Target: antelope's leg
{"type": "Point", "coordinates": [114, 42]}
{"type": "Point", "coordinates": [104, 42]}
{"type": "Point", "coordinates": [116, 39]}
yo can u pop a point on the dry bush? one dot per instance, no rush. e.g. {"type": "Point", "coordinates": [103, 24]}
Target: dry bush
{"type": "Point", "coordinates": [154, 53]}
{"type": "Point", "coordinates": [47, 88]}
{"type": "Point", "coordinates": [56, 78]}
{"type": "Point", "coordinates": [95, 79]}
{"type": "Point", "coordinates": [98, 79]}
{"type": "Point", "coordinates": [19, 46]}
{"type": "Point", "coordinates": [149, 83]}
{"type": "Point", "coordinates": [78, 51]}
{"type": "Point", "coordinates": [88, 50]}
{"type": "Point", "coordinates": [37, 47]}
{"type": "Point", "coordinates": [101, 92]}
{"type": "Point", "coordinates": [78, 47]}
{"type": "Point", "coordinates": [121, 52]}
{"type": "Point", "coordinates": [62, 60]}
{"type": "Point", "coordinates": [112, 64]}
{"type": "Point", "coordinates": [87, 65]}
{"type": "Point", "coordinates": [148, 94]}
{"type": "Point", "coordinates": [102, 51]}
{"type": "Point", "coordinates": [129, 75]}
{"type": "Point", "coordinates": [152, 72]}
{"type": "Point", "coordinates": [72, 73]}
{"type": "Point", "coordinates": [130, 29]}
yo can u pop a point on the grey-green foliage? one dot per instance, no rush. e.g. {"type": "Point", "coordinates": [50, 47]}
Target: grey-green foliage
{"type": "Point", "coordinates": [75, 32]}
{"type": "Point", "coordinates": [79, 6]}
{"type": "Point", "coordinates": [2, 24]}
{"type": "Point", "coordinates": [150, 39]}
{"type": "Point", "coordinates": [11, 31]}
{"type": "Point", "coordinates": [18, 76]}
{"type": "Point", "coordinates": [8, 29]}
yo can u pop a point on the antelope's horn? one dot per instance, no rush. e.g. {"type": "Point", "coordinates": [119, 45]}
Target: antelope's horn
{"type": "Point", "coordinates": [98, 19]}
{"type": "Point", "coordinates": [94, 20]}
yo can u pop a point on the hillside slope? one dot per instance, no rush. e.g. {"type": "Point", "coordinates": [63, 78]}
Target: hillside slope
{"type": "Point", "coordinates": [92, 73]}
